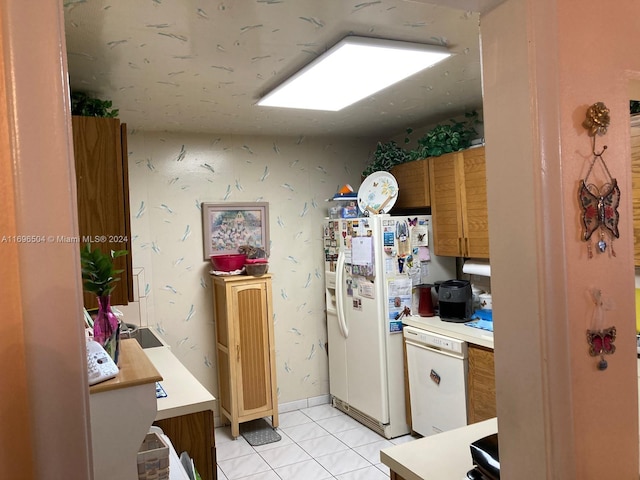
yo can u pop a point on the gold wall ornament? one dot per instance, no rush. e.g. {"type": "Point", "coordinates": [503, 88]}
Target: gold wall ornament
{"type": "Point", "coordinates": [597, 120]}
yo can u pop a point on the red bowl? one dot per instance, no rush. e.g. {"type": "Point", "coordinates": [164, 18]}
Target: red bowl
{"type": "Point", "coordinates": [228, 263]}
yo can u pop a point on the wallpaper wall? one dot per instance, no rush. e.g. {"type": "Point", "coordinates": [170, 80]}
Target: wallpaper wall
{"type": "Point", "coordinates": [171, 174]}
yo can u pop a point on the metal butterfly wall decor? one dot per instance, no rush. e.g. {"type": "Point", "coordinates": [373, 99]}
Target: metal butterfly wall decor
{"type": "Point", "coordinates": [601, 343]}
{"type": "Point", "coordinates": [600, 340]}
{"type": "Point", "coordinates": [599, 204]}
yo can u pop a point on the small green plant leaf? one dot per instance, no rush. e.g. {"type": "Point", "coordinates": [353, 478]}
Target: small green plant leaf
{"type": "Point", "coordinates": [98, 274]}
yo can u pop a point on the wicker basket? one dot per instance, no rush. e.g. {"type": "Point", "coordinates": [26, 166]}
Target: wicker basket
{"type": "Point", "coordinates": [153, 458]}
{"type": "Point", "coordinates": [256, 269]}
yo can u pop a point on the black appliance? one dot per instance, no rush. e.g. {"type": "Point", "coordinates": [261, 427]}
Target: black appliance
{"type": "Point", "coordinates": [486, 459]}
{"type": "Point", "coordinates": [455, 301]}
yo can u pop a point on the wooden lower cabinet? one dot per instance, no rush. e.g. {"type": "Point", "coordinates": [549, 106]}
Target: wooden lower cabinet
{"type": "Point", "coordinates": [481, 385]}
{"type": "Point", "coordinates": [394, 476]}
{"type": "Point", "coordinates": [193, 433]}
{"type": "Point", "coordinates": [245, 349]}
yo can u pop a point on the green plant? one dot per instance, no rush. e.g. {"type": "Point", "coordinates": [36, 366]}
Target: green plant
{"type": "Point", "coordinates": [83, 104]}
{"type": "Point", "coordinates": [634, 106]}
{"type": "Point", "coordinates": [387, 155]}
{"type": "Point", "coordinates": [98, 272]}
{"type": "Point", "coordinates": [447, 138]}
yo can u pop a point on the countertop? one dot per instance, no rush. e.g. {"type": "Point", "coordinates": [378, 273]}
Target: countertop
{"type": "Point", "coordinates": [460, 331]}
{"type": "Point", "coordinates": [443, 456]}
{"type": "Point", "coordinates": [135, 369]}
{"type": "Point", "coordinates": [185, 394]}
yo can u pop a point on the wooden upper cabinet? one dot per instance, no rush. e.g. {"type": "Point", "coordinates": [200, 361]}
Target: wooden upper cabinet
{"type": "Point", "coordinates": [102, 182]}
{"type": "Point", "coordinates": [445, 205]}
{"type": "Point", "coordinates": [475, 216]}
{"type": "Point", "coordinates": [459, 204]}
{"type": "Point", "coordinates": [635, 174]}
{"type": "Point", "coordinates": [413, 184]}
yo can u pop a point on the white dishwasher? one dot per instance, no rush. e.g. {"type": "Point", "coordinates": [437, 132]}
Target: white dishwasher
{"type": "Point", "coordinates": [437, 370]}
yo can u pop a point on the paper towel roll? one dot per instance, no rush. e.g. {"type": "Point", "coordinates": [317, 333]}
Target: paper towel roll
{"type": "Point", "coordinates": [477, 267]}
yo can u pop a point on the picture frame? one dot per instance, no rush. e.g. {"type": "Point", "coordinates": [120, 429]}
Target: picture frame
{"type": "Point", "coordinates": [227, 226]}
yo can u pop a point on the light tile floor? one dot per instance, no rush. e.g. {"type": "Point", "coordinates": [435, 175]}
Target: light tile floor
{"type": "Point", "coordinates": [317, 443]}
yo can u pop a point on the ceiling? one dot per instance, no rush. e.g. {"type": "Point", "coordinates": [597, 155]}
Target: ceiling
{"type": "Point", "coordinates": [201, 65]}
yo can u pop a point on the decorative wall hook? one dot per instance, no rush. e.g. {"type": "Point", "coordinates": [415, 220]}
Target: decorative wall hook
{"type": "Point", "coordinates": [599, 204]}
{"type": "Point", "coordinates": [598, 119]}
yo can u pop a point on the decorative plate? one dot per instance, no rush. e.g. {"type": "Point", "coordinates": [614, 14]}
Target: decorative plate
{"type": "Point", "coordinates": [378, 193]}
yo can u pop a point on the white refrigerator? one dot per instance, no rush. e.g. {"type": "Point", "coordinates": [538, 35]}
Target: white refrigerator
{"type": "Point", "coordinates": [372, 265]}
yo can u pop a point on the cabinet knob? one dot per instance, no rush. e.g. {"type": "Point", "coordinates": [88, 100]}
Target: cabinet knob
{"type": "Point", "coordinates": [238, 353]}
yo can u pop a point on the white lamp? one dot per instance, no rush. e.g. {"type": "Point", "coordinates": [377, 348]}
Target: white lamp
{"type": "Point", "coordinates": [353, 69]}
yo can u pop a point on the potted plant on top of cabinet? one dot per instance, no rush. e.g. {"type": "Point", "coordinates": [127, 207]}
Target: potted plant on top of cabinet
{"type": "Point", "coordinates": [84, 105]}
{"type": "Point", "coordinates": [386, 156]}
{"type": "Point", "coordinates": [447, 138]}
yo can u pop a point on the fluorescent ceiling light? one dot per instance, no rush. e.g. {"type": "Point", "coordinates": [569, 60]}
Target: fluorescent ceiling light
{"type": "Point", "coordinates": [353, 69]}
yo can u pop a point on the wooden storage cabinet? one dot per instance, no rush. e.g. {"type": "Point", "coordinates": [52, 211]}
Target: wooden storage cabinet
{"type": "Point", "coordinates": [413, 184]}
{"type": "Point", "coordinates": [245, 348]}
{"type": "Point", "coordinates": [481, 385]}
{"type": "Point", "coordinates": [102, 183]}
{"type": "Point", "coordinates": [459, 204]}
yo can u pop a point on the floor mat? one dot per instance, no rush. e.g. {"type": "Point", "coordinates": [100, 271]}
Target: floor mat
{"type": "Point", "coordinates": [259, 432]}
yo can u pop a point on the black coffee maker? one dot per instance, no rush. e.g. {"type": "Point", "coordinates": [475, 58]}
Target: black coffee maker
{"type": "Point", "coordinates": [455, 301]}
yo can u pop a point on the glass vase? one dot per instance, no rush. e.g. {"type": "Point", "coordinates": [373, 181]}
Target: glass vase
{"type": "Point", "coordinates": [106, 328]}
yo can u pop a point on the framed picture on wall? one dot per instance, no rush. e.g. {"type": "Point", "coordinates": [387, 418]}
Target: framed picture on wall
{"type": "Point", "coordinates": [227, 226]}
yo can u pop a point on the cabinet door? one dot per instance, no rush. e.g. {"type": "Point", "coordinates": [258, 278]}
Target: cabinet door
{"type": "Point", "coordinates": [635, 172]}
{"type": "Point", "coordinates": [481, 385]}
{"type": "Point", "coordinates": [252, 348]}
{"type": "Point", "coordinates": [193, 433]}
{"type": "Point", "coordinates": [224, 348]}
{"type": "Point", "coordinates": [445, 205]}
{"type": "Point", "coordinates": [475, 217]}
{"type": "Point", "coordinates": [103, 195]}
{"type": "Point", "coordinates": [413, 184]}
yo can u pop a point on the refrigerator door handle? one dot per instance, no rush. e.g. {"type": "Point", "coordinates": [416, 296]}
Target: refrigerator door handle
{"type": "Point", "coordinates": [342, 325]}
